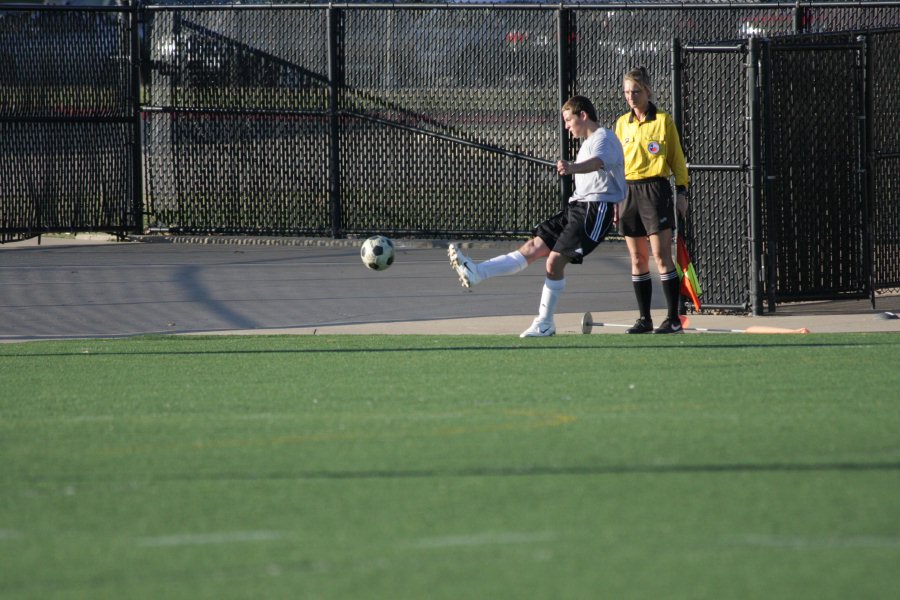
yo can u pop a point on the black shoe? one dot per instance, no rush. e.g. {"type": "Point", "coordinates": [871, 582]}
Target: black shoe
{"type": "Point", "coordinates": [642, 325]}
{"type": "Point", "coordinates": [670, 326]}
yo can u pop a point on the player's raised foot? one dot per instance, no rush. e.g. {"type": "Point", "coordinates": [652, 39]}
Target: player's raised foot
{"type": "Point", "coordinates": [670, 326]}
{"type": "Point", "coordinates": [539, 328]}
{"type": "Point", "coordinates": [464, 267]}
{"type": "Point", "coordinates": [642, 325]}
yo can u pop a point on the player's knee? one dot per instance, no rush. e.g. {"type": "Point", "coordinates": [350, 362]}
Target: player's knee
{"type": "Point", "coordinates": [663, 260]}
{"type": "Point", "coordinates": [534, 249]}
{"type": "Point", "coordinates": [639, 262]}
{"type": "Point", "coordinates": [556, 265]}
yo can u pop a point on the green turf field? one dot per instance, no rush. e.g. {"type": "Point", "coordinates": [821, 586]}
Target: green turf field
{"type": "Point", "coordinates": [473, 467]}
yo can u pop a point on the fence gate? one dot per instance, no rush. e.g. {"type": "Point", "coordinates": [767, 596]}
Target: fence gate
{"type": "Point", "coordinates": [69, 150]}
{"type": "Point", "coordinates": [883, 152]}
{"type": "Point", "coordinates": [815, 194]}
{"type": "Point", "coordinates": [715, 124]}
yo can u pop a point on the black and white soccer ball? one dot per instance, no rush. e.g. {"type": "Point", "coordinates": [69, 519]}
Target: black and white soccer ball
{"type": "Point", "coordinates": [377, 253]}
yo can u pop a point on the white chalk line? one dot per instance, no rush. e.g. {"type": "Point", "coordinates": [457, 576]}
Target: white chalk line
{"type": "Point", "coordinates": [483, 539]}
{"type": "Point", "coordinates": [199, 539]}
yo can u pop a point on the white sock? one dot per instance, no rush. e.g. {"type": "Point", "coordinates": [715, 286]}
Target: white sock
{"type": "Point", "coordinates": [505, 264]}
{"type": "Point", "coordinates": [552, 291]}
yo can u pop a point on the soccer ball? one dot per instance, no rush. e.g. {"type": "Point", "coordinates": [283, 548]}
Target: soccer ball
{"type": "Point", "coordinates": [377, 253]}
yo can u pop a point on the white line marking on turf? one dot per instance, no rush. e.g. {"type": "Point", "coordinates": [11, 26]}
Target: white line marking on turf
{"type": "Point", "coordinates": [196, 539]}
{"type": "Point", "coordinates": [89, 418]}
{"type": "Point", "coordinates": [484, 539]}
{"type": "Point", "coordinates": [804, 542]}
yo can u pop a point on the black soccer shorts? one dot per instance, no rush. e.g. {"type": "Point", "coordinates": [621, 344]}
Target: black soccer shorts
{"type": "Point", "coordinates": [578, 230]}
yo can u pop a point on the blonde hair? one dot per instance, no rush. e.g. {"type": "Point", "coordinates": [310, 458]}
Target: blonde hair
{"type": "Point", "coordinates": [640, 76]}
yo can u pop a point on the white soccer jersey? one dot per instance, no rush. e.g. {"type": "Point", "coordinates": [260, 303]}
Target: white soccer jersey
{"type": "Point", "coordinates": [607, 184]}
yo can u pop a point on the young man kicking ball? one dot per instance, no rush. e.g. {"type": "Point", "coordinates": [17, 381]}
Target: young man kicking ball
{"type": "Point", "coordinates": [570, 235]}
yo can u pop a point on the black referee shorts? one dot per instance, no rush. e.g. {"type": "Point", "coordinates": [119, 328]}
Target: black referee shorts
{"type": "Point", "coordinates": [648, 208]}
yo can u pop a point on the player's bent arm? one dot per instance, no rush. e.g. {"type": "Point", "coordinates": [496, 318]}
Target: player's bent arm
{"type": "Point", "coordinates": [588, 166]}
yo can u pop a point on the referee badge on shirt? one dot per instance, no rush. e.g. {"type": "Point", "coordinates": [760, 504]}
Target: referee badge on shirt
{"type": "Point", "coordinates": [653, 148]}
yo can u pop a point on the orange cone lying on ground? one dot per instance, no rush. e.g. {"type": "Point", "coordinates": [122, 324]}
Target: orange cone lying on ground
{"type": "Point", "coordinates": [686, 324]}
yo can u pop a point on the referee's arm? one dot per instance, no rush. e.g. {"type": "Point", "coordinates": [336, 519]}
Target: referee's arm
{"type": "Point", "coordinates": [675, 157]}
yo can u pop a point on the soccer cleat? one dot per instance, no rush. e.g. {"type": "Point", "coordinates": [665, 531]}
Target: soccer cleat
{"type": "Point", "coordinates": [642, 325]}
{"type": "Point", "coordinates": [464, 267]}
{"type": "Point", "coordinates": [670, 326]}
{"type": "Point", "coordinates": [539, 329]}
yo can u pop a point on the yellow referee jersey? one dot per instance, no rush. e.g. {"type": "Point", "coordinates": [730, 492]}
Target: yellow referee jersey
{"type": "Point", "coordinates": [652, 147]}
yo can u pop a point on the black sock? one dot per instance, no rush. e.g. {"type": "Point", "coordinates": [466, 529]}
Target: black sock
{"type": "Point", "coordinates": [671, 288]}
{"type": "Point", "coordinates": [643, 291]}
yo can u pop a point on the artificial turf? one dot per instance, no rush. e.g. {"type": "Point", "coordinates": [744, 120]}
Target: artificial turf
{"type": "Point", "coordinates": [607, 466]}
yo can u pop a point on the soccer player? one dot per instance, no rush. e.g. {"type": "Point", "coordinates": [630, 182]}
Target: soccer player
{"type": "Point", "coordinates": [653, 154]}
{"type": "Point", "coordinates": [570, 235]}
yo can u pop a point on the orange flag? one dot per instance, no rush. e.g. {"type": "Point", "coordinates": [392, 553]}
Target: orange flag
{"type": "Point", "coordinates": [690, 285]}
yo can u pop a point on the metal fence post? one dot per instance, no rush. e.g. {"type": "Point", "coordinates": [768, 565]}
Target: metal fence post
{"type": "Point", "coordinates": [866, 161]}
{"type": "Point", "coordinates": [137, 152]}
{"type": "Point", "coordinates": [799, 13]}
{"type": "Point", "coordinates": [677, 115]}
{"type": "Point", "coordinates": [767, 179]}
{"type": "Point", "coordinates": [757, 272]}
{"type": "Point", "coordinates": [335, 83]}
{"type": "Point", "coordinates": [564, 30]}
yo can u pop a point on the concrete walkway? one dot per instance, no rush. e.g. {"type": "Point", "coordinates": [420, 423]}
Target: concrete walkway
{"type": "Point", "coordinates": [89, 286]}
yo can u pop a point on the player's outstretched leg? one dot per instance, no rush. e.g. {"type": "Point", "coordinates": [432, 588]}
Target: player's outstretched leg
{"type": "Point", "coordinates": [464, 266]}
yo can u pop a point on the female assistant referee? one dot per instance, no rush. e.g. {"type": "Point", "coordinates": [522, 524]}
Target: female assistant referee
{"type": "Point", "coordinates": [653, 154]}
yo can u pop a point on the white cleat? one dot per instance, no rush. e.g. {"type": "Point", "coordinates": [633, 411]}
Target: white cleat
{"type": "Point", "coordinates": [539, 329]}
{"type": "Point", "coordinates": [464, 267]}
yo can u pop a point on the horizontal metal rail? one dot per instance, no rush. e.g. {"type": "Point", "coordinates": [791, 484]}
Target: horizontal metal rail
{"type": "Point", "coordinates": [65, 119]}
{"type": "Point", "coordinates": [234, 111]}
{"type": "Point", "coordinates": [818, 47]}
{"type": "Point", "coordinates": [714, 48]}
{"type": "Point", "coordinates": [694, 167]}
{"type": "Point", "coordinates": [63, 8]}
{"type": "Point", "coordinates": [727, 307]}
{"type": "Point", "coordinates": [612, 6]}
{"type": "Point", "coordinates": [450, 138]}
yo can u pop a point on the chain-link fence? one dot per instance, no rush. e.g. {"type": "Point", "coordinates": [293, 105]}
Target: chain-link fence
{"type": "Point", "coordinates": [67, 121]}
{"type": "Point", "coordinates": [434, 120]}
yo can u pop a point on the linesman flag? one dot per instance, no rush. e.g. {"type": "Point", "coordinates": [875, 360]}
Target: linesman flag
{"type": "Point", "coordinates": [690, 285]}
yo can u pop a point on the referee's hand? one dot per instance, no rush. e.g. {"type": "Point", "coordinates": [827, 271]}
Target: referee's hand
{"type": "Point", "coordinates": [681, 203]}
